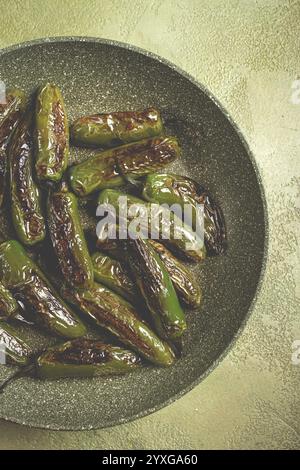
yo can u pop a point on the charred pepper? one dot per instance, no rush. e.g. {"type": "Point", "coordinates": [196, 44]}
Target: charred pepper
{"type": "Point", "coordinates": [8, 305]}
{"type": "Point", "coordinates": [13, 347]}
{"type": "Point", "coordinates": [108, 310]}
{"type": "Point", "coordinates": [68, 238]}
{"type": "Point", "coordinates": [52, 134]}
{"type": "Point", "coordinates": [174, 189]}
{"type": "Point", "coordinates": [112, 129]}
{"type": "Point", "coordinates": [156, 288]}
{"type": "Point", "coordinates": [112, 270]}
{"type": "Point", "coordinates": [29, 286]}
{"type": "Point", "coordinates": [26, 210]}
{"type": "Point", "coordinates": [10, 114]}
{"type": "Point", "coordinates": [168, 228]}
{"type": "Point", "coordinates": [115, 276]}
{"type": "Point", "coordinates": [85, 358]}
{"type": "Point", "coordinates": [186, 286]}
{"type": "Point", "coordinates": [109, 168]}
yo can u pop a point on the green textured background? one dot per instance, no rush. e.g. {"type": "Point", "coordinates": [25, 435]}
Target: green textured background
{"type": "Point", "coordinates": [247, 54]}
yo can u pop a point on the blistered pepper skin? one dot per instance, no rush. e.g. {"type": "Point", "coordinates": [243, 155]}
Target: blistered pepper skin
{"type": "Point", "coordinates": [15, 348]}
{"type": "Point", "coordinates": [26, 209]}
{"type": "Point", "coordinates": [68, 239]}
{"type": "Point", "coordinates": [85, 358]}
{"type": "Point", "coordinates": [109, 168]}
{"type": "Point", "coordinates": [112, 269]}
{"type": "Point", "coordinates": [186, 245]}
{"type": "Point", "coordinates": [10, 114]}
{"type": "Point", "coordinates": [52, 134]}
{"type": "Point", "coordinates": [175, 189]}
{"type": "Point", "coordinates": [156, 288]}
{"type": "Point", "coordinates": [108, 310]}
{"type": "Point", "coordinates": [112, 129]}
{"type": "Point", "coordinates": [8, 305]}
{"type": "Point", "coordinates": [186, 286]}
{"type": "Point", "coordinates": [29, 286]}
{"type": "Point", "coordinates": [111, 273]}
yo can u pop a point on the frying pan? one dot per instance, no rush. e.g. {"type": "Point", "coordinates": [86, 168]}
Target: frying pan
{"type": "Point", "coordinates": [98, 75]}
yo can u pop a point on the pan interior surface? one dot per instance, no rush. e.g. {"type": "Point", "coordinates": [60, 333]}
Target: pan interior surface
{"type": "Point", "coordinates": [100, 76]}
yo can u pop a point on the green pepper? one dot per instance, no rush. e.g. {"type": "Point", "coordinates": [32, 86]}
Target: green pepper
{"type": "Point", "coordinates": [68, 238]}
{"type": "Point", "coordinates": [173, 189]}
{"type": "Point", "coordinates": [113, 274]}
{"type": "Point", "coordinates": [52, 134]}
{"type": "Point", "coordinates": [107, 245]}
{"type": "Point", "coordinates": [85, 358]}
{"type": "Point", "coordinates": [10, 114]}
{"type": "Point", "coordinates": [112, 129]}
{"type": "Point", "coordinates": [14, 349]}
{"type": "Point", "coordinates": [168, 228]}
{"type": "Point", "coordinates": [108, 310]}
{"type": "Point", "coordinates": [25, 280]}
{"type": "Point", "coordinates": [110, 168]}
{"type": "Point", "coordinates": [112, 270]}
{"type": "Point", "coordinates": [8, 305]}
{"type": "Point", "coordinates": [26, 210]}
{"type": "Point", "coordinates": [186, 286]}
{"type": "Point", "coordinates": [156, 288]}
{"type": "Point", "coordinates": [154, 268]}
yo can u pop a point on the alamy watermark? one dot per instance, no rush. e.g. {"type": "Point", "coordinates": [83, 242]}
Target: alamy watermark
{"type": "Point", "coordinates": [295, 358]}
{"type": "Point", "coordinates": [2, 353]}
{"type": "Point", "coordinates": [151, 221]}
{"type": "Point", "coordinates": [2, 92]}
{"type": "Point", "coordinates": [295, 97]}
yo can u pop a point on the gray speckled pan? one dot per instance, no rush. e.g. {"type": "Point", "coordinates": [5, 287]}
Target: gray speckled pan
{"type": "Point", "coordinates": [98, 75]}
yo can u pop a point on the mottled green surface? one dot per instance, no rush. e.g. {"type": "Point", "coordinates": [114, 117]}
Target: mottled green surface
{"type": "Point", "coordinates": [247, 54]}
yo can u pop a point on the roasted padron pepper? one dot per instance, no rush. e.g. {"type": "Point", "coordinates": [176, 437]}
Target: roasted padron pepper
{"type": "Point", "coordinates": [85, 358]}
{"type": "Point", "coordinates": [25, 201]}
{"type": "Point", "coordinates": [168, 228]}
{"type": "Point", "coordinates": [112, 129]}
{"type": "Point", "coordinates": [186, 286]}
{"type": "Point", "coordinates": [111, 269]}
{"type": "Point", "coordinates": [10, 114]}
{"type": "Point", "coordinates": [29, 286]}
{"type": "Point", "coordinates": [8, 304]}
{"type": "Point", "coordinates": [156, 288]}
{"type": "Point", "coordinates": [109, 168]}
{"type": "Point", "coordinates": [68, 238]}
{"type": "Point", "coordinates": [52, 134]}
{"type": "Point", "coordinates": [175, 189]}
{"type": "Point", "coordinates": [13, 347]}
{"type": "Point", "coordinates": [115, 276]}
{"type": "Point", "coordinates": [108, 310]}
